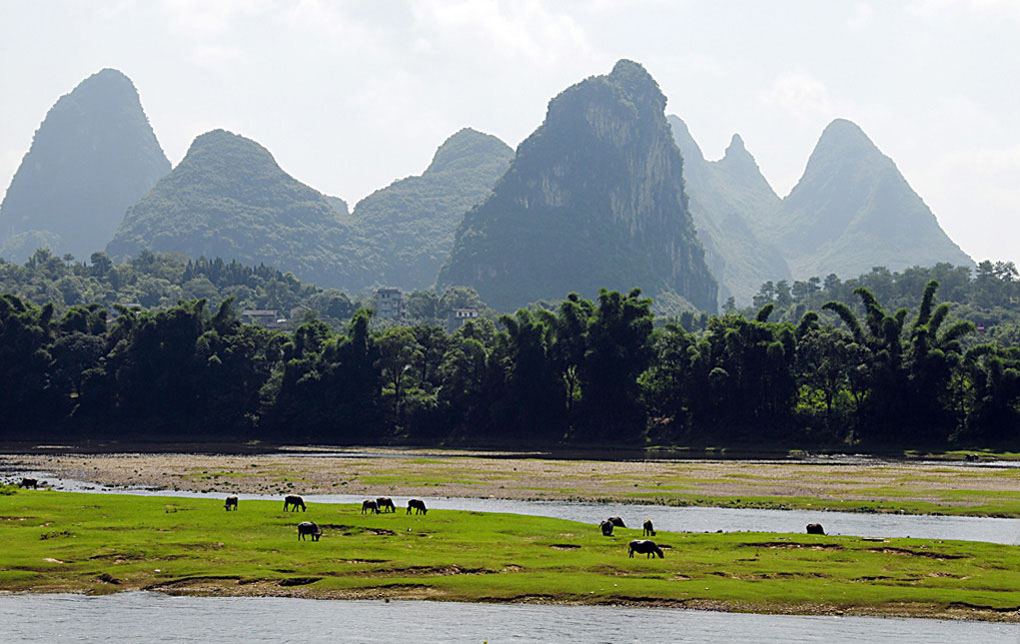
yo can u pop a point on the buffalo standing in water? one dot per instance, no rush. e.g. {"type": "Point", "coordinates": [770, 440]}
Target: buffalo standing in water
{"type": "Point", "coordinates": [385, 502]}
{"type": "Point", "coordinates": [815, 528]}
{"type": "Point", "coordinates": [231, 502]}
{"type": "Point", "coordinates": [368, 505]}
{"type": "Point", "coordinates": [607, 528]}
{"type": "Point", "coordinates": [293, 501]}
{"type": "Point", "coordinates": [644, 546]}
{"type": "Point", "coordinates": [309, 528]}
{"type": "Point", "coordinates": [649, 530]}
{"type": "Point", "coordinates": [417, 505]}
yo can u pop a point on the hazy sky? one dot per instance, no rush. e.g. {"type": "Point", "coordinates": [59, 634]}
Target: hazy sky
{"type": "Point", "coordinates": [349, 96]}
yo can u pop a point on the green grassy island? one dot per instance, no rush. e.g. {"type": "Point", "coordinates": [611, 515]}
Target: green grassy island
{"type": "Point", "coordinates": [96, 544]}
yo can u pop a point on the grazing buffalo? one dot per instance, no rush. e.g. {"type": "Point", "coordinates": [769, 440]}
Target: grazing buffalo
{"type": "Point", "coordinates": [815, 528]}
{"type": "Point", "coordinates": [368, 505]}
{"type": "Point", "coordinates": [417, 505]}
{"type": "Point", "coordinates": [26, 483]}
{"type": "Point", "coordinates": [649, 530]}
{"type": "Point", "coordinates": [309, 528]}
{"type": "Point", "coordinates": [972, 457]}
{"type": "Point", "coordinates": [607, 528]}
{"type": "Point", "coordinates": [617, 521]}
{"type": "Point", "coordinates": [385, 502]}
{"type": "Point", "coordinates": [644, 546]}
{"type": "Point", "coordinates": [231, 502]}
{"type": "Point", "coordinates": [293, 501]}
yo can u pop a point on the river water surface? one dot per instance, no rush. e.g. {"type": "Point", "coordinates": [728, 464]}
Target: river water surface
{"type": "Point", "coordinates": [151, 617]}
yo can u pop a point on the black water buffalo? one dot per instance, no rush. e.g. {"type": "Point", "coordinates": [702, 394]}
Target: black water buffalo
{"type": "Point", "coordinates": [385, 502]}
{"type": "Point", "coordinates": [417, 505]}
{"type": "Point", "coordinates": [649, 530]}
{"type": "Point", "coordinates": [617, 521]}
{"type": "Point", "coordinates": [607, 528]}
{"type": "Point", "coordinates": [309, 528]}
{"type": "Point", "coordinates": [29, 483]}
{"type": "Point", "coordinates": [815, 528]}
{"type": "Point", "coordinates": [644, 546]}
{"type": "Point", "coordinates": [293, 501]}
{"type": "Point", "coordinates": [231, 502]}
{"type": "Point", "coordinates": [368, 505]}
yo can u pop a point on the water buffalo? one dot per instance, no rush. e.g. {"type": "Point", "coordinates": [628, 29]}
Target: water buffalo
{"type": "Point", "coordinates": [644, 546]}
{"type": "Point", "coordinates": [385, 502]}
{"type": "Point", "coordinates": [231, 502]}
{"type": "Point", "coordinates": [26, 483]}
{"type": "Point", "coordinates": [607, 528]}
{"type": "Point", "coordinates": [815, 528]}
{"type": "Point", "coordinates": [617, 521]}
{"type": "Point", "coordinates": [309, 528]}
{"type": "Point", "coordinates": [417, 505]}
{"type": "Point", "coordinates": [295, 501]}
{"type": "Point", "coordinates": [368, 505]}
{"type": "Point", "coordinates": [649, 530]}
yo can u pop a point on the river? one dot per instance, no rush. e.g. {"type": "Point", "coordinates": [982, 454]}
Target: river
{"type": "Point", "coordinates": [151, 617]}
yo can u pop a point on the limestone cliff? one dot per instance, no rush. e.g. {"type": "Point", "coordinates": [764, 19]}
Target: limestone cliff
{"type": "Point", "coordinates": [593, 198]}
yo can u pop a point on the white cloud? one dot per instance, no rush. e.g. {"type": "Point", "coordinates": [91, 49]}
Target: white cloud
{"type": "Point", "coordinates": [799, 94]}
{"type": "Point", "coordinates": [508, 29]}
{"type": "Point", "coordinates": [861, 16]}
{"type": "Point", "coordinates": [944, 9]}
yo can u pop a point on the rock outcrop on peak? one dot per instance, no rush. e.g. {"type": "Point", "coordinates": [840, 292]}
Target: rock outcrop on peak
{"type": "Point", "coordinates": [593, 198]}
{"type": "Point", "coordinates": [413, 221]}
{"type": "Point", "coordinates": [853, 210]}
{"type": "Point", "coordinates": [93, 156]}
{"type": "Point", "coordinates": [228, 198]}
{"type": "Point", "coordinates": [730, 201]}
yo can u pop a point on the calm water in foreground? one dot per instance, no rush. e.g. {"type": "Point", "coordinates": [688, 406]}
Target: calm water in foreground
{"type": "Point", "coordinates": [150, 617]}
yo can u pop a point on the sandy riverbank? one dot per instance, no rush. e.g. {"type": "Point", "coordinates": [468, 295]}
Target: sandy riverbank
{"type": "Point", "coordinates": [886, 486]}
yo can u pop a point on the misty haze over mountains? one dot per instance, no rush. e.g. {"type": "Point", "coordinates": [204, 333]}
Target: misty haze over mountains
{"type": "Point", "coordinates": [606, 193]}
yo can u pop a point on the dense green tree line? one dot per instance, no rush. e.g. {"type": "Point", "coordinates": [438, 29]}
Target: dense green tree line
{"type": "Point", "coordinates": [586, 373]}
{"type": "Point", "coordinates": [988, 296]}
{"type": "Point", "coordinates": [161, 280]}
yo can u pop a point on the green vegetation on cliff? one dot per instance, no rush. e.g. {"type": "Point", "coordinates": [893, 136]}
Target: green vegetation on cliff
{"type": "Point", "coordinates": [413, 220]}
{"type": "Point", "coordinates": [228, 198]}
{"type": "Point", "coordinates": [852, 210]}
{"type": "Point", "coordinates": [593, 198]}
{"type": "Point", "coordinates": [93, 156]}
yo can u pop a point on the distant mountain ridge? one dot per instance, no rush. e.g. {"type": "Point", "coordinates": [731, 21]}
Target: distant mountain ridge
{"type": "Point", "coordinates": [853, 210]}
{"type": "Point", "coordinates": [593, 198]}
{"type": "Point", "coordinates": [728, 200]}
{"type": "Point", "coordinates": [413, 221]}
{"type": "Point", "coordinates": [228, 198]}
{"type": "Point", "coordinates": [93, 156]}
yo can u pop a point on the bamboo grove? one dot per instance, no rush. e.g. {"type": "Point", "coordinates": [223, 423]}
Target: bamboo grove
{"type": "Point", "coordinates": [583, 374]}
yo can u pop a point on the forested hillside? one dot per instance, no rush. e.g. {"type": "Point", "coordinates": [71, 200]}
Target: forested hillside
{"type": "Point", "coordinates": [413, 221]}
{"type": "Point", "coordinates": [852, 209]}
{"type": "Point", "coordinates": [228, 198]}
{"type": "Point", "coordinates": [93, 156]}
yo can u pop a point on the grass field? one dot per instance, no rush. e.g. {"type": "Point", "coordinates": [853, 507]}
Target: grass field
{"type": "Point", "coordinates": [66, 542]}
